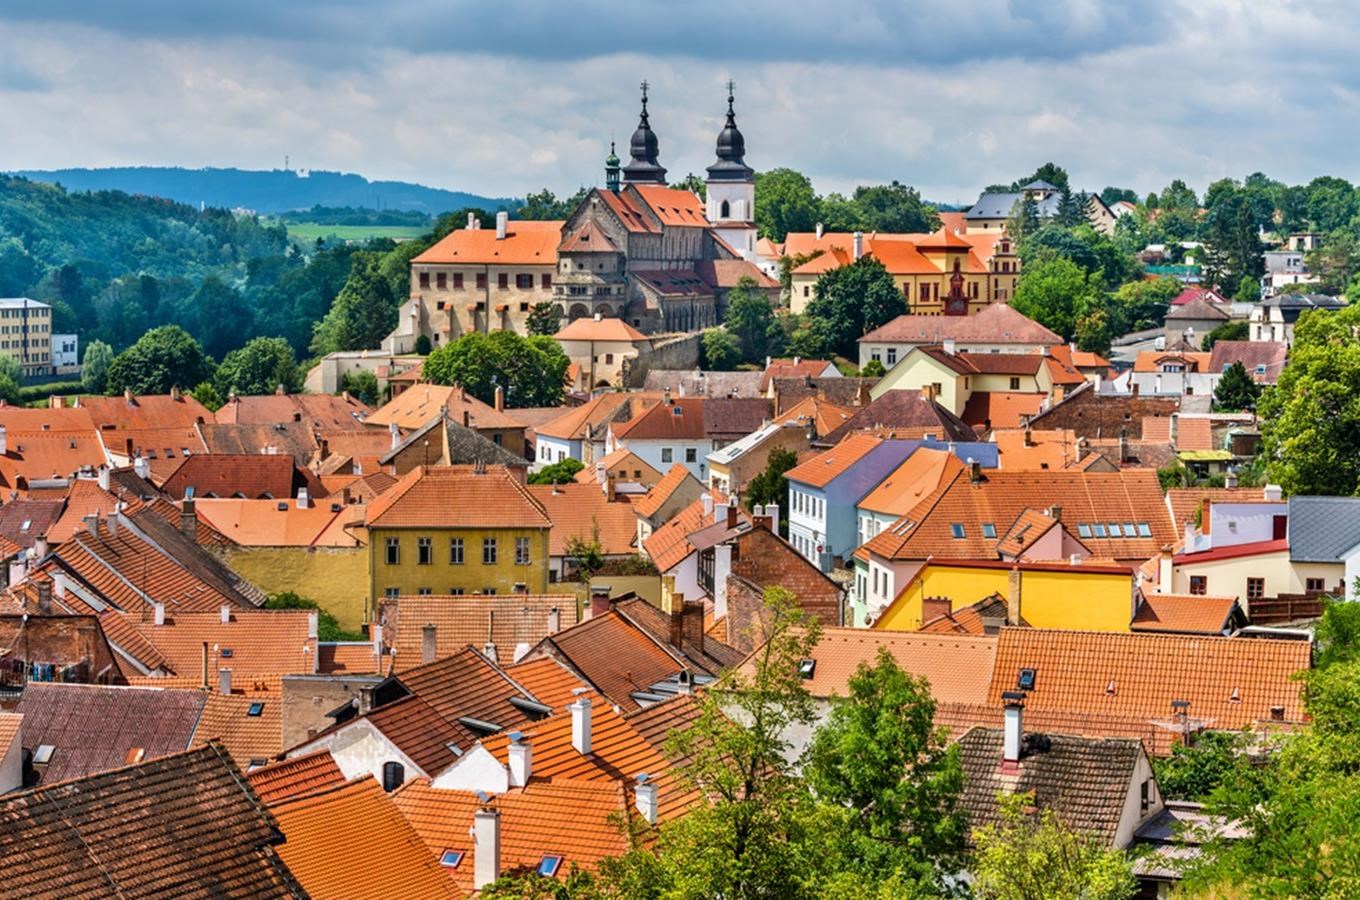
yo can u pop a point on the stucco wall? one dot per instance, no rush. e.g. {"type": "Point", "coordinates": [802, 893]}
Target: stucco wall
{"type": "Point", "coordinates": [336, 578]}
{"type": "Point", "coordinates": [667, 353]}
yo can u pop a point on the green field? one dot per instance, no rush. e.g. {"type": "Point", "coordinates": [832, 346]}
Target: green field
{"type": "Point", "coordinates": [307, 232]}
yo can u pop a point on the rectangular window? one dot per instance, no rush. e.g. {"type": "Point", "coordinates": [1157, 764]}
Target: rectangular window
{"type": "Point", "coordinates": [424, 281]}
{"type": "Point", "coordinates": [546, 281]}
{"type": "Point", "coordinates": [1144, 529]}
{"type": "Point", "coordinates": [1099, 530]}
{"type": "Point", "coordinates": [457, 281]}
{"type": "Point", "coordinates": [892, 356]}
{"type": "Point", "coordinates": [609, 359]}
{"type": "Point", "coordinates": [456, 592]}
{"type": "Point", "coordinates": [503, 280]}
{"type": "Point", "coordinates": [1015, 384]}
{"type": "Point", "coordinates": [524, 282]}
{"type": "Point", "coordinates": [1256, 588]}
{"type": "Point", "coordinates": [666, 454]}
{"type": "Point", "coordinates": [521, 551]}
{"type": "Point", "coordinates": [455, 551]}
{"type": "Point", "coordinates": [989, 531]}
{"type": "Point", "coordinates": [481, 281]}
{"type": "Point", "coordinates": [488, 551]}
{"type": "Point", "coordinates": [489, 591]}
{"type": "Point", "coordinates": [957, 530]}
{"type": "Point", "coordinates": [424, 551]}
{"type": "Point", "coordinates": [424, 592]}
{"type": "Point", "coordinates": [1314, 585]}
{"type": "Point", "coordinates": [441, 281]}
{"type": "Point", "coordinates": [393, 551]}
{"type": "Point", "coordinates": [392, 592]}
{"type": "Point", "coordinates": [691, 455]}
{"type": "Point", "coordinates": [1199, 585]}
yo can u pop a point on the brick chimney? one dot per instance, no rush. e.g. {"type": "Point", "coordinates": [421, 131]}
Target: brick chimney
{"type": "Point", "coordinates": [1013, 582]}
{"type": "Point", "coordinates": [188, 519]}
{"type": "Point", "coordinates": [428, 643]}
{"type": "Point", "coordinates": [599, 599]}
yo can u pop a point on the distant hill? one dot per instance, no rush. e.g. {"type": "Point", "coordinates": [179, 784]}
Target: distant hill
{"type": "Point", "coordinates": [269, 192]}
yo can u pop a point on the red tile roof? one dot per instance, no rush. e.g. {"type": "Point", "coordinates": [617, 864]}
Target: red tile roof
{"type": "Point", "coordinates": [549, 681]}
{"type": "Point", "coordinates": [582, 511]}
{"type": "Point", "coordinates": [295, 777]}
{"type": "Point", "coordinates": [672, 206]}
{"type": "Point", "coordinates": [1184, 614]}
{"type": "Point", "coordinates": [351, 841]}
{"type": "Point", "coordinates": [994, 324]}
{"type": "Point", "coordinates": [959, 668]}
{"type": "Point", "coordinates": [1184, 502]}
{"type": "Point", "coordinates": [231, 475]}
{"type": "Point", "coordinates": [824, 468]}
{"type": "Point", "coordinates": [1002, 409]}
{"type": "Point", "coordinates": [508, 620]}
{"type": "Point", "coordinates": [526, 243]}
{"type": "Point", "coordinates": [253, 643]}
{"type": "Point", "coordinates": [587, 328]}
{"type": "Point", "coordinates": [417, 405]}
{"type": "Point", "coordinates": [457, 497]}
{"type": "Point", "coordinates": [250, 726]}
{"type": "Point", "coordinates": [324, 412]}
{"type": "Point", "coordinates": [651, 502]}
{"type": "Point", "coordinates": [586, 239]}
{"type": "Point", "coordinates": [615, 657]}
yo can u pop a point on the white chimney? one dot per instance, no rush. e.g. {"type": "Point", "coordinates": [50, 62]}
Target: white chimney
{"type": "Point", "coordinates": [502, 220]}
{"type": "Point", "coordinates": [226, 614]}
{"type": "Point", "coordinates": [40, 547]}
{"type": "Point", "coordinates": [160, 613]}
{"type": "Point", "coordinates": [395, 432]}
{"type": "Point", "coordinates": [859, 244]}
{"type": "Point", "coordinates": [142, 466]}
{"type": "Point", "coordinates": [1189, 537]}
{"type": "Point", "coordinates": [59, 584]}
{"type": "Point", "coordinates": [472, 221]}
{"type": "Point", "coordinates": [1273, 493]}
{"type": "Point", "coordinates": [4, 441]}
{"type": "Point", "coordinates": [375, 631]}
{"type": "Point", "coordinates": [521, 760]}
{"type": "Point", "coordinates": [554, 620]}
{"type": "Point", "coordinates": [224, 681]}
{"type": "Point", "coordinates": [772, 512]}
{"type": "Point", "coordinates": [950, 346]}
{"type": "Point", "coordinates": [819, 231]}
{"type": "Point", "coordinates": [522, 650]}
{"type": "Point", "coordinates": [646, 796]}
{"type": "Point", "coordinates": [580, 724]}
{"type": "Point", "coordinates": [303, 501]}
{"type": "Point", "coordinates": [707, 501]}
{"type": "Point", "coordinates": [103, 476]}
{"type": "Point", "coordinates": [722, 567]}
{"type": "Point", "coordinates": [1014, 726]}
{"type": "Point", "coordinates": [489, 650]}
{"type": "Point", "coordinates": [486, 847]}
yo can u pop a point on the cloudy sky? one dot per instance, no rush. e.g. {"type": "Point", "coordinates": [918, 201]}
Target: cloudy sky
{"type": "Point", "coordinates": [507, 96]}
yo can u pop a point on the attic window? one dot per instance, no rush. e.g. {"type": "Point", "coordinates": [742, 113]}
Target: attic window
{"type": "Point", "coordinates": [26, 524]}
{"type": "Point", "coordinates": [1129, 530]}
{"type": "Point", "coordinates": [1144, 530]}
{"type": "Point", "coordinates": [1084, 531]}
{"type": "Point", "coordinates": [1026, 680]}
{"type": "Point", "coordinates": [283, 507]}
{"type": "Point", "coordinates": [957, 530]}
{"type": "Point", "coordinates": [1114, 529]}
{"type": "Point", "coordinates": [549, 865]}
{"type": "Point", "coordinates": [256, 709]}
{"type": "Point", "coordinates": [677, 411]}
{"type": "Point", "coordinates": [1099, 530]}
{"type": "Point", "coordinates": [988, 530]}
{"type": "Point", "coordinates": [450, 859]}
{"type": "Point", "coordinates": [225, 652]}
{"type": "Point", "coordinates": [806, 668]}
{"type": "Point", "coordinates": [43, 755]}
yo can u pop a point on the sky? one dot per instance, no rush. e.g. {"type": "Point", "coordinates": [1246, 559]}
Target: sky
{"type": "Point", "coordinates": [502, 98]}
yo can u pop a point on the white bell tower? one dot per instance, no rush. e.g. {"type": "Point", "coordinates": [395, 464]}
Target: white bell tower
{"type": "Point", "coordinates": [732, 188]}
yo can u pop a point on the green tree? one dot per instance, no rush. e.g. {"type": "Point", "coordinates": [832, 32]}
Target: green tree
{"type": "Point", "coordinates": [1228, 331]}
{"type": "Point", "coordinates": [872, 369]}
{"type": "Point", "coordinates": [362, 385]}
{"type": "Point", "coordinates": [1193, 772]}
{"type": "Point", "coordinates": [205, 392]}
{"type": "Point", "coordinates": [1139, 305]}
{"type": "Point", "coordinates": [422, 346]}
{"type": "Point", "coordinates": [586, 553]}
{"type": "Point", "coordinates": [544, 319]}
{"type": "Point", "coordinates": [750, 318]}
{"type": "Point", "coordinates": [1310, 416]}
{"type": "Point", "coordinates": [722, 350]}
{"type": "Point", "coordinates": [560, 472]}
{"type": "Point", "coordinates": [893, 208]}
{"type": "Point", "coordinates": [1051, 172]}
{"type": "Point", "coordinates": [11, 379]}
{"type": "Point", "coordinates": [327, 626]}
{"type": "Point", "coordinates": [262, 366]}
{"type": "Point", "coordinates": [1056, 293]}
{"type": "Point", "coordinates": [1233, 234]}
{"type": "Point", "coordinates": [532, 370]}
{"type": "Point", "coordinates": [1338, 633]}
{"type": "Point", "coordinates": [1113, 195]}
{"type": "Point", "coordinates": [1331, 203]}
{"type": "Point", "coordinates": [364, 311]}
{"type": "Point", "coordinates": [853, 300]}
{"type": "Point", "coordinates": [770, 485]}
{"type": "Point", "coordinates": [217, 316]}
{"type": "Point", "coordinates": [881, 760]}
{"type": "Point", "coordinates": [1248, 290]}
{"type": "Point", "coordinates": [1336, 262]}
{"type": "Point", "coordinates": [94, 372]}
{"type": "Point", "coordinates": [785, 201]}
{"type": "Point", "coordinates": [545, 206]}
{"type": "Point", "coordinates": [1027, 856]}
{"type": "Point", "coordinates": [1024, 219]}
{"type": "Point", "coordinates": [1236, 392]}
{"type": "Point", "coordinates": [163, 358]}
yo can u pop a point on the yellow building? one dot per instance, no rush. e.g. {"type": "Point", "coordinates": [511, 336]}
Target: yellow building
{"type": "Point", "coordinates": [1083, 597]}
{"type": "Point", "coordinates": [457, 530]}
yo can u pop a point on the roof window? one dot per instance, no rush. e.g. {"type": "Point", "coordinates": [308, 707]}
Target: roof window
{"type": "Point", "coordinates": [1099, 530]}
{"type": "Point", "coordinates": [225, 652]}
{"type": "Point", "coordinates": [957, 530]}
{"type": "Point", "coordinates": [450, 859]}
{"type": "Point", "coordinates": [1026, 680]}
{"type": "Point", "coordinates": [43, 755]}
{"type": "Point", "coordinates": [1084, 531]}
{"type": "Point", "coordinates": [806, 668]}
{"type": "Point", "coordinates": [988, 530]}
{"type": "Point", "coordinates": [549, 865]}
{"type": "Point", "coordinates": [256, 709]}
{"type": "Point", "coordinates": [1114, 529]}
{"type": "Point", "coordinates": [1144, 530]}
{"type": "Point", "coordinates": [25, 524]}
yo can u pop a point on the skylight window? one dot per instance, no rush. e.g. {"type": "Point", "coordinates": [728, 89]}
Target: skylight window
{"type": "Point", "coordinates": [1114, 529]}
{"type": "Point", "coordinates": [957, 529]}
{"type": "Point", "coordinates": [26, 524]}
{"type": "Point", "coordinates": [549, 866]}
{"type": "Point", "coordinates": [1099, 530]}
{"type": "Point", "coordinates": [256, 709]}
{"type": "Point", "coordinates": [1144, 530]}
{"type": "Point", "coordinates": [1084, 531]}
{"type": "Point", "coordinates": [225, 652]}
{"type": "Point", "coordinates": [43, 755]}
{"type": "Point", "coordinates": [450, 859]}
{"type": "Point", "coordinates": [806, 668]}
{"type": "Point", "coordinates": [1026, 680]}
{"type": "Point", "coordinates": [988, 531]}
{"type": "Point", "coordinates": [1129, 530]}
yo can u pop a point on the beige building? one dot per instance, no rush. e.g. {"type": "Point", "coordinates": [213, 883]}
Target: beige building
{"type": "Point", "coordinates": [26, 334]}
{"type": "Point", "coordinates": [599, 346]}
{"type": "Point", "coordinates": [478, 279]}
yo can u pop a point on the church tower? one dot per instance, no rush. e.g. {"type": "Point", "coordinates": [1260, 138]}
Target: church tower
{"type": "Point", "coordinates": [732, 188]}
{"type": "Point", "coordinates": [643, 167]}
{"type": "Point", "coordinates": [611, 170]}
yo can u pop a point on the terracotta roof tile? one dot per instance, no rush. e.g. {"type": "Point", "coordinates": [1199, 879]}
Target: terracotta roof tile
{"type": "Point", "coordinates": [254, 642]}
{"type": "Point", "coordinates": [898, 410]}
{"type": "Point", "coordinates": [669, 544]}
{"type": "Point", "coordinates": [694, 419]}
{"type": "Point", "coordinates": [350, 841]}
{"type": "Point", "coordinates": [996, 323]}
{"type": "Point", "coordinates": [421, 733]}
{"type": "Point", "coordinates": [467, 684]}
{"type": "Point", "coordinates": [615, 657]}
{"type": "Point", "coordinates": [653, 500]}
{"type": "Point", "coordinates": [550, 682]}
{"type": "Point", "coordinates": [251, 728]}
{"type": "Point", "coordinates": [587, 328]}
{"type": "Point", "coordinates": [1184, 502]}
{"type": "Point", "coordinates": [1035, 449]}
{"type": "Point", "coordinates": [824, 416]}
{"type": "Point", "coordinates": [355, 657]}
{"type": "Point", "coordinates": [37, 455]}
{"type": "Point", "coordinates": [295, 777]}
{"type": "Point", "coordinates": [596, 414]}
{"type": "Point", "coordinates": [579, 510]}
{"type": "Point", "coordinates": [197, 829]}
{"type": "Point", "coordinates": [452, 497]}
{"type": "Point", "coordinates": [1263, 360]}
{"type": "Point", "coordinates": [323, 412]}
{"type": "Point", "coordinates": [673, 206]}
{"type": "Point", "coordinates": [1184, 614]}
{"type": "Point", "coordinates": [796, 368]}
{"type": "Point", "coordinates": [418, 404]}
{"type": "Point", "coordinates": [824, 468]}
{"type": "Point", "coordinates": [508, 620]}
{"type": "Point", "coordinates": [1002, 409]}
{"type": "Point", "coordinates": [262, 523]}
{"type": "Point", "coordinates": [526, 242]}
{"type": "Point", "coordinates": [230, 475]}
{"type": "Point", "coordinates": [728, 273]}
{"type": "Point", "coordinates": [1194, 434]}
{"type": "Point", "coordinates": [958, 668]}
{"type": "Point", "coordinates": [626, 466]}
{"type": "Point", "coordinates": [1230, 683]}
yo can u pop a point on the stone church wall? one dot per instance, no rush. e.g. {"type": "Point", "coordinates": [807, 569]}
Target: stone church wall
{"type": "Point", "coordinates": [679, 352]}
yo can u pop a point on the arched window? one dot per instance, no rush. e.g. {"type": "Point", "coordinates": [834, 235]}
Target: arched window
{"type": "Point", "coordinates": [725, 211]}
{"type": "Point", "coordinates": [394, 774]}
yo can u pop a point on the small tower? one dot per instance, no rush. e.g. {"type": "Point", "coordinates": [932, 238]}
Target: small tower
{"type": "Point", "coordinates": [611, 170]}
{"type": "Point", "coordinates": [732, 187]}
{"type": "Point", "coordinates": [643, 167]}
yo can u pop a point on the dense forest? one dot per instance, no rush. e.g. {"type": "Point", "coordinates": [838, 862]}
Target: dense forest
{"type": "Point", "coordinates": [275, 191]}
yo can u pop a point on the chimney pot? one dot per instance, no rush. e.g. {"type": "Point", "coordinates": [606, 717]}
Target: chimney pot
{"type": "Point", "coordinates": [554, 620]}
{"type": "Point", "coordinates": [225, 611]}
{"type": "Point", "coordinates": [581, 724]}
{"type": "Point", "coordinates": [502, 222]}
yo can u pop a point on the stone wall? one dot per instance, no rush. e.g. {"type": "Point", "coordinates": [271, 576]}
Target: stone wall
{"type": "Point", "coordinates": [673, 352]}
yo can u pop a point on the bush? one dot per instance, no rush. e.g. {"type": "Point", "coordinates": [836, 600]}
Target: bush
{"type": "Point", "coordinates": [423, 345]}
{"type": "Point", "coordinates": [327, 627]}
{"type": "Point", "coordinates": [559, 472]}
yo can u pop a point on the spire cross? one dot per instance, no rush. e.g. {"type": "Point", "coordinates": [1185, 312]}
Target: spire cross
{"type": "Point", "coordinates": [644, 92]}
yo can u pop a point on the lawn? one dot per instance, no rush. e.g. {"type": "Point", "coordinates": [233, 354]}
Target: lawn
{"type": "Point", "coordinates": [307, 232]}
